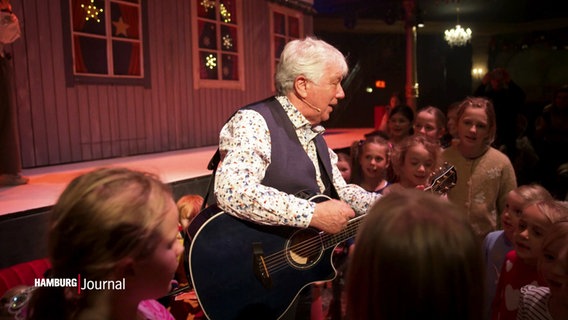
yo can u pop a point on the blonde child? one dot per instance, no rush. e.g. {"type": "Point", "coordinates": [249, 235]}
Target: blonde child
{"type": "Point", "coordinates": [549, 302]}
{"type": "Point", "coordinates": [498, 243]}
{"type": "Point", "coordinates": [520, 265]}
{"type": "Point", "coordinates": [371, 159]}
{"type": "Point", "coordinates": [485, 175]}
{"type": "Point", "coordinates": [431, 122]}
{"type": "Point", "coordinates": [108, 225]}
{"type": "Point", "coordinates": [185, 305]}
{"type": "Point", "coordinates": [414, 160]}
{"type": "Point", "coordinates": [188, 207]}
{"type": "Point", "coordinates": [415, 257]}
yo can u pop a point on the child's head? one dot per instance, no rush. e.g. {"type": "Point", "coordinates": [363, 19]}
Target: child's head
{"type": "Point", "coordinates": [344, 165]}
{"type": "Point", "coordinates": [415, 159]}
{"type": "Point", "coordinates": [431, 122]}
{"type": "Point", "coordinates": [534, 223]}
{"type": "Point", "coordinates": [188, 207]}
{"type": "Point", "coordinates": [371, 158]}
{"type": "Point", "coordinates": [110, 224]}
{"type": "Point", "coordinates": [400, 122]}
{"type": "Point", "coordinates": [517, 199]}
{"type": "Point", "coordinates": [425, 240]}
{"type": "Point", "coordinates": [476, 125]}
{"type": "Point", "coordinates": [553, 261]}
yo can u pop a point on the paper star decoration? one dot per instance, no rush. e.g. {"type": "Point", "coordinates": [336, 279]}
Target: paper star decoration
{"type": "Point", "coordinates": [121, 27]}
{"type": "Point", "coordinates": [211, 61]}
{"type": "Point", "coordinates": [227, 42]}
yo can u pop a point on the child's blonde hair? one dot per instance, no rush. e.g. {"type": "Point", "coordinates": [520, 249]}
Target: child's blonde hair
{"type": "Point", "coordinates": [404, 232]}
{"type": "Point", "coordinates": [552, 210]}
{"type": "Point", "coordinates": [558, 231]}
{"type": "Point", "coordinates": [401, 149]}
{"type": "Point", "coordinates": [438, 115]}
{"type": "Point", "coordinates": [531, 193]}
{"type": "Point", "coordinates": [487, 106]}
{"type": "Point", "coordinates": [101, 218]}
{"type": "Point", "coordinates": [188, 207]}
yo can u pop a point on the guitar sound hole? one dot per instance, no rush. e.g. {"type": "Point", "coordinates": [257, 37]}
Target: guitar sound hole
{"type": "Point", "coordinates": [304, 248]}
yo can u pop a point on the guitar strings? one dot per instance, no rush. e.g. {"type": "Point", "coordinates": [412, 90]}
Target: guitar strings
{"type": "Point", "coordinates": [309, 247]}
{"type": "Point", "coordinates": [305, 249]}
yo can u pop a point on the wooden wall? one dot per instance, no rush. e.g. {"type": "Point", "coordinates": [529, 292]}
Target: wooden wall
{"type": "Point", "coordinates": [60, 124]}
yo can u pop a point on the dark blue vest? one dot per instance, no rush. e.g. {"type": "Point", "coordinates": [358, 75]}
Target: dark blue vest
{"type": "Point", "coordinates": [291, 169]}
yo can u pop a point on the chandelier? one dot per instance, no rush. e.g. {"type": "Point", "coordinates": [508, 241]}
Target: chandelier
{"type": "Point", "coordinates": [457, 36]}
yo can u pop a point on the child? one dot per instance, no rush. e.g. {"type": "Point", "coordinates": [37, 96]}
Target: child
{"type": "Point", "coordinates": [188, 207]}
{"type": "Point", "coordinates": [415, 257]}
{"type": "Point", "coordinates": [399, 124]}
{"type": "Point", "coordinates": [551, 302]}
{"type": "Point", "coordinates": [109, 225]}
{"type": "Point", "coordinates": [485, 175]}
{"type": "Point", "coordinates": [185, 304]}
{"type": "Point", "coordinates": [520, 266]}
{"type": "Point", "coordinates": [431, 122]}
{"type": "Point", "coordinates": [414, 160]}
{"type": "Point", "coordinates": [498, 243]}
{"type": "Point", "coordinates": [371, 159]}
{"type": "Point", "coordinates": [344, 166]}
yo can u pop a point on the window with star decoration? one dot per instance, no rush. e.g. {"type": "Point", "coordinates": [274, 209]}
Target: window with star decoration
{"type": "Point", "coordinates": [107, 42]}
{"type": "Point", "coordinates": [217, 36]}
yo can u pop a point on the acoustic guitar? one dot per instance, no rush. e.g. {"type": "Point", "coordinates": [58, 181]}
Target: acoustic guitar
{"type": "Point", "coordinates": [244, 270]}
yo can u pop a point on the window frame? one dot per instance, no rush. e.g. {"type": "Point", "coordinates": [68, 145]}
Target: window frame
{"type": "Point", "coordinates": [199, 83]}
{"type": "Point", "coordinates": [73, 78]}
{"type": "Point", "coordinates": [287, 12]}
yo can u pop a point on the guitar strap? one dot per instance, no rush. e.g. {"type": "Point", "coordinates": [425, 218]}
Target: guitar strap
{"type": "Point", "coordinates": [325, 174]}
{"type": "Point", "coordinates": [212, 165]}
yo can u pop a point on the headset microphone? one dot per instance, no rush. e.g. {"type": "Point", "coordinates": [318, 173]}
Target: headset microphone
{"type": "Point", "coordinates": [311, 105]}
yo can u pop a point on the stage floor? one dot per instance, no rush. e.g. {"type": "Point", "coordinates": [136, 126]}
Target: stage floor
{"type": "Point", "coordinates": [46, 183]}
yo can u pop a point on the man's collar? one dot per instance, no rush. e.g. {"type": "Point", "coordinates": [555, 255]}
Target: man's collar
{"type": "Point", "coordinates": [293, 113]}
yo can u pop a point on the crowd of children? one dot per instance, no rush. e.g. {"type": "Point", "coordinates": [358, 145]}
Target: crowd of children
{"type": "Point", "coordinates": [522, 229]}
{"type": "Point", "coordinates": [482, 220]}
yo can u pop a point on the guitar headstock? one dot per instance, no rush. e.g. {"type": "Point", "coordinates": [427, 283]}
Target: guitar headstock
{"type": "Point", "coordinates": [443, 179]}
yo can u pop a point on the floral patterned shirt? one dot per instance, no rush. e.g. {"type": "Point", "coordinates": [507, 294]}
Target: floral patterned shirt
{"type": "Point", "coordinates": [245, 148]}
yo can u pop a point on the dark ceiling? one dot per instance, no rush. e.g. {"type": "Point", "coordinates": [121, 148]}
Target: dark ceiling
{"type": "Point", "coordinates": [471, 11]}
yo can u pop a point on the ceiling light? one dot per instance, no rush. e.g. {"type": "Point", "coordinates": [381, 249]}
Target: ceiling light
{"type": "Point", "coordinates": [457, 36]}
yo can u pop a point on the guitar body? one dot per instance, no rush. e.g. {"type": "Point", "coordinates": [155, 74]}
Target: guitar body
{"type": "Point", "coordinates": [243, 270]}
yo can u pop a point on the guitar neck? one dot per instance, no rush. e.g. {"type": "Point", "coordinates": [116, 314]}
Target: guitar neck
{"type": "Point", "coordinates": [330, 240]}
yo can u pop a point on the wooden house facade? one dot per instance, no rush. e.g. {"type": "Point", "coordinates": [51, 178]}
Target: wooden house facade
{"type": "Point", "coordinates": [67, 113]}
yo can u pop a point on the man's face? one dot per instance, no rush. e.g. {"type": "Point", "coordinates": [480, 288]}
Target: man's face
{"type": "Point", "coordinates": [324, 95]}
